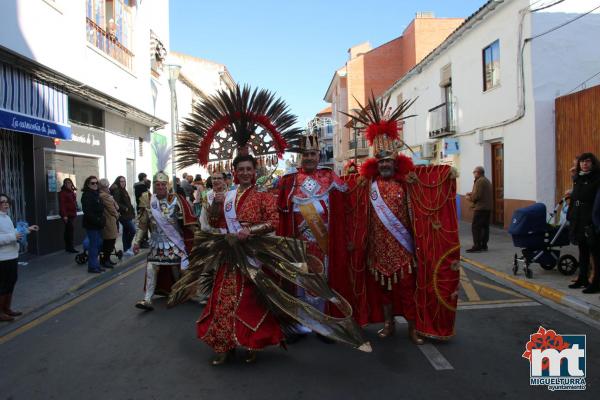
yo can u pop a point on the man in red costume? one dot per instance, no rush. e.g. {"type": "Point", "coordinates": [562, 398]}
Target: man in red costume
{"type": "Point", "coordinates": [387, 244]}
{"type": "Point", "coordinates": [233, 315]}
{"type": "Point", "coordinates": [391, 281]}
{"type": "Point", "coordinates": [303, 203]}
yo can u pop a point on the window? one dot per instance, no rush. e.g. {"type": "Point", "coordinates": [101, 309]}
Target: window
{"type": "Point", "coordinates": [59, 166]}
{"type": "Point", "coordinates": [85, 114]}
{"type": "Point", "coordinates": [491, 66]}
{"type": "Point", "coordinates": [110, 28]}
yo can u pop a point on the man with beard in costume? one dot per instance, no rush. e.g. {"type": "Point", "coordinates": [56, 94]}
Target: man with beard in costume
{"type": "Point", "coordinates": [303, 203]}
{"type": "Point", "coordinates": [171, 221]}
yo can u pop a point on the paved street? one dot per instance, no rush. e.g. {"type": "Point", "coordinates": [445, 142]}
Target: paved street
{"type": "Point", "coordinates": [100, 346]}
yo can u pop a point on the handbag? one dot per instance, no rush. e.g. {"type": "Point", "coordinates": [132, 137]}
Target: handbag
{"type": "Point", "coordinates": [591, 237]}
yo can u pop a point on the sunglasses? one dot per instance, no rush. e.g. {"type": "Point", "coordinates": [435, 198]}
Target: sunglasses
{"type": "Point", "coordinates": [93, 183]}
{"type": "Point", "coordinates": [4, 202]}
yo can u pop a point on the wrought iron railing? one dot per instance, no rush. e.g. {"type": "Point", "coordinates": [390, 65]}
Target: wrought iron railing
{"type": "Point", "coordinates": [108, 44]}
{"type": "Point", "coordinates": [441, 120]}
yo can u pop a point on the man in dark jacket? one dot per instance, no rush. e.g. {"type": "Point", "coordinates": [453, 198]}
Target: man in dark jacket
{"type": "Point", "coordinates": [138, 188]}
{"type": "Point", "coordinates": [481, 203]}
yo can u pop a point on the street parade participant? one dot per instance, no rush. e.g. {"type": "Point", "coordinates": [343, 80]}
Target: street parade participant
{"type": "Point", "coordinates": [393, 242]}
{"type": "Point", "coordinates": [171, 221]}
{"type": "Point", "coordinates": [303, 204]}
{"type": "Point", "coordinates": [247, 307]}
{"type": "Point", "coordinates": [212, 206]}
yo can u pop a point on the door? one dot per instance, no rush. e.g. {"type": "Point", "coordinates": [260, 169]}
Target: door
{"type": "Point", "coordinates": [498, 183]}
{"type": "Point", "coordinates": [130, 178]}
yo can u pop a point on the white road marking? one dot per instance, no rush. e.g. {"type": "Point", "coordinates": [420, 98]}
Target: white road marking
{"type": "Point", "coordinates": [501, 305]}
{"type": "Point", "coordinates": [436, 358]}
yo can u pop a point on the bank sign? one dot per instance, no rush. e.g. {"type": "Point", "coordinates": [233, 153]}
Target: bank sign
{"type": "Point", "coordinates": [556, 361]}
{"type": "Point", "coordinates": [31, 106]}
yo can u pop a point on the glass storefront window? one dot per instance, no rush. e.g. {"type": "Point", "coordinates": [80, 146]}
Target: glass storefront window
{"type": "Point", "coordinates": [59, 166]}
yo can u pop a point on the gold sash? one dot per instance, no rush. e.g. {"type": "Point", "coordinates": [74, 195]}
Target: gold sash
{"type": "Point", "coordinates": [316, 225]}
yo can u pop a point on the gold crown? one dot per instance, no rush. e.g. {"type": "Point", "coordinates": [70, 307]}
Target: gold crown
{"type": "Point", "coordinates": [309, 141]}
{"type": "Point", "coordinates": [161, 176]}
{"type": "Point", "coordinates": [384, 148]}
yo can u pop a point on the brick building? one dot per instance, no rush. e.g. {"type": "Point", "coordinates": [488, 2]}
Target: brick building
{"type": "Point", "coordinates": [371, 69]}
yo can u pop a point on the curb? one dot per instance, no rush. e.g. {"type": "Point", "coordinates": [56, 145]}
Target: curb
{"type": "Point", "coordinates": [86, 285]}
{"type": "Point", "coordinates": [543, 291]}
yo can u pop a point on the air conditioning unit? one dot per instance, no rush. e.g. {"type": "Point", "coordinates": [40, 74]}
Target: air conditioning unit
{"type": "Point", "coordinates": [428, 150]}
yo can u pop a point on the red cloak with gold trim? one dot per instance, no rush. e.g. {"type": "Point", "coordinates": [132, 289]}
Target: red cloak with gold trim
{"type": "Point", "coordinates": [432, 193]}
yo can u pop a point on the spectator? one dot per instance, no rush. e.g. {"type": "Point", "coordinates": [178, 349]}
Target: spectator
{"type": "Point", "coordinates": [93, 221]}
{"type": "Point", "coordinates": [138, 188]}
{"type": "Point", "coordinates": [110, 231]}
{"type": "Point", "coordinates": [481, 203]}
{"type": "Point", "coordinates": [229, 181]}
{"type": "Point", "coordinates": [198, 193]}
{"type": "Point", "coordinates": [584, 218]}
{"type": "Point", "coordinates": [9, 253]}
{"type": "Point", "coordinates": [126, 213]}
{"type": "Point", "coordinates": [178, 189]}
{"type": "Point", "coordinates": [68, 212]}
{"type": "Point", "coordinates": [186, 185]}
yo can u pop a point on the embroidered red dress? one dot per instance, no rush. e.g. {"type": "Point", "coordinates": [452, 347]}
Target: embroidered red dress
{"type": "Point", "coordinates": [392, 279]}
{"type": "Point", "coordinates": [233, 315]}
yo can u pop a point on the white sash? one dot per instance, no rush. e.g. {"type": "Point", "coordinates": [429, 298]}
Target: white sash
{"type": "Point", "coordinates": [389, 220]}
{"type": "Point", "coordinates": [233, 225]}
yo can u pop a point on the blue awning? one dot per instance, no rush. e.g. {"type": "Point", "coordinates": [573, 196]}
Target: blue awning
{"type": "Point", "coordinates": [30, 106]}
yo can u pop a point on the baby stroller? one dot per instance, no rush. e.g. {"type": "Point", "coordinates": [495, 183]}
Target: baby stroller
{"type": "Point", "coordinates": [540, 241]}
{"type": "Point", "coordinates": [82, 258]}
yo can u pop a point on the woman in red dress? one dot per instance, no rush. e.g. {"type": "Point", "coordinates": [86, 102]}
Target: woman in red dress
{"type": "Point", "coordinates": [233, 315]}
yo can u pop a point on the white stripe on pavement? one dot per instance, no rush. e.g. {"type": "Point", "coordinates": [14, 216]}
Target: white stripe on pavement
{"type": "Point", "coordinates": [502, 305]}
{"type": "Point", "coordinates": [436, 358]}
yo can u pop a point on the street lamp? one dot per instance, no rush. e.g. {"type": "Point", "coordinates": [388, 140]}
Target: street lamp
{"type": "Point", "coordinates": [174, 70]}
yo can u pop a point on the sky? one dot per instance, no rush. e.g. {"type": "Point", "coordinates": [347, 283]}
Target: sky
{"type": "Point", "coordinates": [293, 47]}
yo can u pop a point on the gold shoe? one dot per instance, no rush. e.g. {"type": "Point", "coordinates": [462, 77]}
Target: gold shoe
{"type": "Point", "coordinates": [413, 335]}
{"type": "Point", "coordinates": [250, 357]}
{"type": "Point", "coordinates": [220, 359]}
{"type": "Point", "coordinates": [389, 328]}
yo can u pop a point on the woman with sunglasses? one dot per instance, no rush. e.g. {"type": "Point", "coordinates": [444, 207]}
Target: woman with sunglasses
{"type": "Point", "coordinates": [93, 221]}
{"type": "Point", "coordinates": [9, 253]}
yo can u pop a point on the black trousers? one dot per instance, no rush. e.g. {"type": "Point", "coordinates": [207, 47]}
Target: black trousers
{"type": "Point", "coordinates": [8, 275]}
{"type": "Point", "coordinates": [585, 253]}
{"type": "Point", "coordinates": [480, 227]}
{"type": "Point", "coordinates": [108, 245]}
{"type": "Point", "coordinates": [69, 228]}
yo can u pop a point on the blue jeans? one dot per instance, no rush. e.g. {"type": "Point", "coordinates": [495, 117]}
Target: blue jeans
{"type": "Point", "coordinates": [128, 232]}
{"type": "Point", "coordinates": [94, 237]}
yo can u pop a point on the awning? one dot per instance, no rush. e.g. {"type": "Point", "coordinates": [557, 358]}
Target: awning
{"type": "Point", "coordinates": [31, 106]}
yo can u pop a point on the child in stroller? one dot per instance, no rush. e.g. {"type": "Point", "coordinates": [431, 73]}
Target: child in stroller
{"type": "Point", "coordinates": [82, 258]}
{"type": "Point", "coordinates": [540, 241]}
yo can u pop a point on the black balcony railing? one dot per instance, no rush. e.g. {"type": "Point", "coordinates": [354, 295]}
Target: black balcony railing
{"type": "Point", "coordinates": [441, 120]}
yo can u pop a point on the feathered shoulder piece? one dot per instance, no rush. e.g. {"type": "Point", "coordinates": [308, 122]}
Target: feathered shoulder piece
{"type": "Point", "coordinates": [403, 166]}
{"type": "Point", "coordinates": [378, 119]}
{"type": "Point", "coordinates": [235, 119]}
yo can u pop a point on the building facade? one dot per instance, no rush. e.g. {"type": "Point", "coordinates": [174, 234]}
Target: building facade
{"type": "Point", "coordinates": [486, 96]}
{"type": "Point", "coordinates": [373, 70]}
{"type": "Point", "coordinates": [84, 90]}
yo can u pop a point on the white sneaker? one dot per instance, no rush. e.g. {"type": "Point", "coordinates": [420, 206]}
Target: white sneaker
{"type": "Point", "coordinates": [128, 253]}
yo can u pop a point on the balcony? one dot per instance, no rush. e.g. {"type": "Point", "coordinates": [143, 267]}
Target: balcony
{"type": "Point", "coordinates": [108, 44]}
{"type": "Point", "coordinates": [441, 120]}
{"type": "Point", "coordinates": [357, 149]}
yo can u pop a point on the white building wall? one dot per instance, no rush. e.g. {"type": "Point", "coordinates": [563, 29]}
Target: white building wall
{"type": "Point", "coordinates": [554, 64]}
{"type": "Point", "coordinates": [561, 61]}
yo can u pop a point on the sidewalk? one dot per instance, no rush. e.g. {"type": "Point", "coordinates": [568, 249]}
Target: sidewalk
{"type": "Point", "coordinates": [552, 285]}
{"type": "Point", "coordinates": [46, 279]}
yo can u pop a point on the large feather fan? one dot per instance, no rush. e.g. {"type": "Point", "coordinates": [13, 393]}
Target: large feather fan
{"type": "Point", "coordinates": [231, 119]}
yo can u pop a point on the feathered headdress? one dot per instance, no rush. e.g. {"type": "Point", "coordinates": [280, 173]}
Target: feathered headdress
{"type": "Point", "coordinates": [380, 123]}
{"type": "Point", "coordinates": [228, 123]}
{"type": "Point", "coordinates": [163, 155]}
